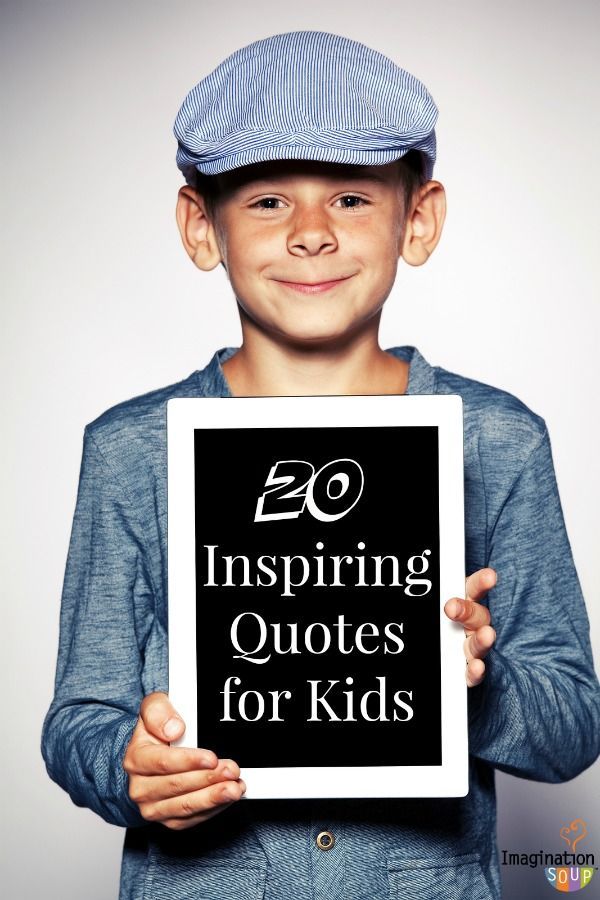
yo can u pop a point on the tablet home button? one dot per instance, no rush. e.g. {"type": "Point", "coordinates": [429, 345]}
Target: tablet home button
{"type": "Point", "coordinates": [325, 840]}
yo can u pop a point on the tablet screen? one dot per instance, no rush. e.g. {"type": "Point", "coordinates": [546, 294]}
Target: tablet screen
{"type": "Point", "coordinates": [306, 586]}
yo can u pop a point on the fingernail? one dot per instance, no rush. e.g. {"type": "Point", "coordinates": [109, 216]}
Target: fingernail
{"type": "Point", "coordinates": [228, 772]}
{"type": "Point", "coordinates": [172, 727]}
{"type": "Point", "coordinates": [454, 609]}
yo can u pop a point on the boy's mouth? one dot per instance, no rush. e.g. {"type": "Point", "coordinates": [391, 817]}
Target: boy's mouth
{"type": "Point", "coordinates": [314, 287]}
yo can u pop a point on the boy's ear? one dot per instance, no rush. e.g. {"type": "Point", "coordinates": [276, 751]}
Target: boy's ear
{"type": "Point", "coordinates": [424, 223]}
{"type": "Point", "coordinates": [197, 231]}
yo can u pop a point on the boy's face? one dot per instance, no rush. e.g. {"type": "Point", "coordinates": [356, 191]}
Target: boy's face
{"type": "Point", "coordinates": [311, 248]}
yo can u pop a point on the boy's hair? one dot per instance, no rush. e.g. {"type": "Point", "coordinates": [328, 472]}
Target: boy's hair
{"type": "Point", "coordinates": [411, 172]}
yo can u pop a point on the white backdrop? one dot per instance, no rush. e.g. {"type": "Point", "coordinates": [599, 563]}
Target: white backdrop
{"type": "Point", "coordinates": [101, 302]}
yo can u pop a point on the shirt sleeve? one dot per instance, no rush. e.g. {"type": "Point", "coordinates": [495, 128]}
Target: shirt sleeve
{"type": "Point", "coordinates": [98, 686]}
{"type": "Point", "coordinates": [537, 712]}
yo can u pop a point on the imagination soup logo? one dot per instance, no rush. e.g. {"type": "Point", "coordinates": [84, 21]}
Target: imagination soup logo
{"type": "Point", "coordinates": [567, 871]}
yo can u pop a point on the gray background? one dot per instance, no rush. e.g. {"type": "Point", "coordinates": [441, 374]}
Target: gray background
{"type": "Point", "coordinates": [102, 304]}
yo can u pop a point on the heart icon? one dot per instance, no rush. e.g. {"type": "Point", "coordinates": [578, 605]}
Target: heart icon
{"type": "Point", "coordinates": [573, 833]}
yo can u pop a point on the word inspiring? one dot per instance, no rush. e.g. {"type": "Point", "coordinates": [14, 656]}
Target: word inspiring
{"type": "Point", "coordinates": [317, 571]}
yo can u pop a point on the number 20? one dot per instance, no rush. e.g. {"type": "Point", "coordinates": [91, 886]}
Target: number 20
{"type": "Point", "coordinates": [328, 494]}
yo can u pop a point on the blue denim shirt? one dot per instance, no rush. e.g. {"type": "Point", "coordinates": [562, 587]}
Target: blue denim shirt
{"type": "Point", "coordinates": [537, 713]}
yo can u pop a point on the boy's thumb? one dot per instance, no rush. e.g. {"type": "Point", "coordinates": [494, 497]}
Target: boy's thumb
{"type": "Point", "coordinates": [160, 718]}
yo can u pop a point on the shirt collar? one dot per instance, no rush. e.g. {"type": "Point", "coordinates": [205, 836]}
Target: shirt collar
{"type": "Point", "coordinates": [421, 376]}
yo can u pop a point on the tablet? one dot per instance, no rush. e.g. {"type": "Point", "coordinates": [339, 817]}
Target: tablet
{"type": "Point", "coordinates": [312, 544]}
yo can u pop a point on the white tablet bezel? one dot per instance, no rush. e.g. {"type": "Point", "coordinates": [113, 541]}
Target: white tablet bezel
{"type": "Point", "coordinates": [450, 779]}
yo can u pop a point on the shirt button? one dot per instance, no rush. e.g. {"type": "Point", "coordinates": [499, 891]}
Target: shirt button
{"type": "Point", "coordinates": [325, 840]}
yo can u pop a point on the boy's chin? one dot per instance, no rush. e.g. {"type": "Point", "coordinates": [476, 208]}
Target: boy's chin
{"type": "Point", "coordinates": [311, 339]}
{"type": "Point", "coordinates": [308, 331]}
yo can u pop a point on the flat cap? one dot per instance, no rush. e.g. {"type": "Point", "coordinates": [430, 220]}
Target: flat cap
{"type": "Point", "coordinates": [304, 95]}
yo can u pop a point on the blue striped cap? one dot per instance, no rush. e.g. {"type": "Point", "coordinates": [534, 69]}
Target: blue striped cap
{"type": "Point", "coordinates": [304, 95]}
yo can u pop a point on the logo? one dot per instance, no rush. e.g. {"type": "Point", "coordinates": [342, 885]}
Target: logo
{"type": "Point", "coordinates": [567, 871]}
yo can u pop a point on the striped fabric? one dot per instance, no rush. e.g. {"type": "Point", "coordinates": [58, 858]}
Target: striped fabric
{"type": "Point", "coordinates": [304, 95]}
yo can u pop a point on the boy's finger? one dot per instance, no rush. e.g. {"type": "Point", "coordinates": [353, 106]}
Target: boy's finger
{"type": "Point", "coordinates": [160, 717]}
{"type": "Point", "coordinates": [156, 759]}
{"type": "Point", "coordinates": [178, 824]}
{"type": "Point", "coordinates": [478, 644]}
{"type": "Point", "coordinates": [151, 789]}
{"type": "Point", "coordinates": [479, 583]}
{"type": "Point", "coordinates": [195, 802]}
{"type": "Point", "coordinates": [475, 672]}
{"type": "Point", "coordinates": [471, 615]}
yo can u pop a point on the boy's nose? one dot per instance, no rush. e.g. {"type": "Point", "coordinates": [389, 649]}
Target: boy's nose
{"type": "Point", "coordinates": [311, 232]}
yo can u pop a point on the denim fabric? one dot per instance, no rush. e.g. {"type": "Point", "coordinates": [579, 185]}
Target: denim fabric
{"type": "Point", "coordinates": [537, 713]}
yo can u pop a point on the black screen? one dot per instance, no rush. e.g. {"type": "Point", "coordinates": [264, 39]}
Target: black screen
{"type": "Point", "coordinates": [387, 480]}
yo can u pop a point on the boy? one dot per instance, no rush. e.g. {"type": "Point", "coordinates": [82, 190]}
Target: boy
{"type": "Point", "coordinates": [308, 159]}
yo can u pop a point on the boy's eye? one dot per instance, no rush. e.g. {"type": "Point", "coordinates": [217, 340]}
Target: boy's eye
{"type": "Point", "coordinates": [267, 203]}
{"type": "Point", "coordinates": [354, 201]}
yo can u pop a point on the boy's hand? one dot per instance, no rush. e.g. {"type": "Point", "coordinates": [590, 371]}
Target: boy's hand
{"type": "Point", "coordinates": [475, 619]}
{"type": "Point", "coordinates": [177, 786]}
